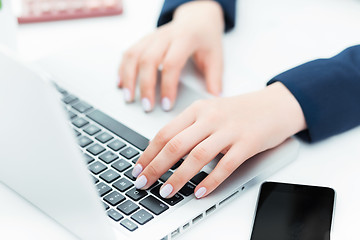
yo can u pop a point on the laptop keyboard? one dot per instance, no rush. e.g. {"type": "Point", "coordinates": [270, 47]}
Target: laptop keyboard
{"type": "Point", "coordinates": [111, 150]}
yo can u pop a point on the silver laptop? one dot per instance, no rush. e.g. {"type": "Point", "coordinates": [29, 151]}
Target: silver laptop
{"type": "Point", "coordinates": [73, 162]}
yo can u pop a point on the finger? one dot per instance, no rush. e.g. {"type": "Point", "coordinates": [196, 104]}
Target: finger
{"type": "Point", "coordinates": [213, 70]}
{"type": "Point", "coordinates": [178, 124]}
{"type": "Point", "coordinates": [148, 66]}
{"type": "Point", "coordinates": [127, 74]}
{"type": "Point", "coordinates": [175, 149]}
{"type": "Point", "coordinates": [226, 166]}
{"type": "Point", "coordinates": [173, 63]}
{"type": "Point", "coordinates": [201, 155]}
{"type": "Point", "coordinates": [128, 68]}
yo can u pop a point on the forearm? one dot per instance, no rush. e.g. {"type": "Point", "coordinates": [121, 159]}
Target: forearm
{"type": "Point", "coordinates": [328, 91]}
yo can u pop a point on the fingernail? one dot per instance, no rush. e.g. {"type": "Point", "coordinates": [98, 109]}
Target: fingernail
{"type": "Point", "coordinates": [166, 190]}
{"type": "Point", "coordinates": [146, 104]}
{"type": "Point", "coordinates": [140, 182]}
{"type": "Point", "coordinates": [200, 192]}
{"type": "Point", "coordinates": [137, 170]}
{"type": "Point", "coordinates": [127, 95]}
{"type": "Point", "coordinates": [166, 104]}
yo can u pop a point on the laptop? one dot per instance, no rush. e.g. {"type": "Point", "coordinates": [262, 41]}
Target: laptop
{"type": "Point", "coordinates": [73, 162]}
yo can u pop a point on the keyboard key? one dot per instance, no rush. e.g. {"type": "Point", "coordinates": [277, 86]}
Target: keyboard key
{"type": "Point", "coordinates": [114, 198]}
{"type": "Point", "coordinates": [103, 189]}
{"type": "Point", "coordinates": [97, 167]}
{"type": "Point", "coordinates": [198, 177]}
{"type": "Point", "coordinates": [174, 200]}
{"type": "Point", "coordinates": [77, 133]}
{"type": "Point", "coordinates": [95, 149]}
{"type": "Point", "coordinates": [116, 145]}
{"type": "Point", "coordinates": [119, 129]}
{"type": "Point", "coordinates": [95, 179]}
{"type": "Point", "coordinates": [142, 217]}
{"type": "Point", "coordinates": [121, 165]}
{"type": "Point", "coordinates": [128, 207]}
{"type": "Point", "coordinates": [71, 114]}
{"type": "Point", "coordinates": [176, 165]}
{"type": "Point", "coordinates": [84, 141]}
{"type": "Point", "coordinates": [187, 189]}
{"type": "Point", "coordinates": [153, 205]}
{"type": "Point", "coordinates": [171, 201]}
{"type": "Point", "coordinates": [123, 184]}
{"type": "Point", "coordinates": [88, 158]}
{"type": "Point", "coordinates": [69, 98]}
{"type": "Point", "coordinates": [129, 153]}
{"type": "Point", "coordinates": [130, 225]}
{"type": "Point", "coordinates": [79, 122]}
{"type": "Point", "coordinates": [136, 194]}
{"type": "Point", "coordinates": [91, 130]}
{"type": "Point", "coordinates": [104, 137]}
{"type": "Point", "coordinates": [129, 174]}
{"type": "Point", "coordinates": [108, 157]}
{"type": "Point", "coordinates": [115, 215]}
{"type": "Point", "coordinates": [154, 184]}
{"type": "Point", "coordinates": [81, 106]}
{"type": "Point", "coordinates": [135, 160]}
{"type": "Point", "coordinates": [166, 176]}
{"type": "Point", "coordinates": [109, 176]}
{"type": "Point", "coordinates": [60, 89]}
{"type": "Point", "coordinates": [106, 206]}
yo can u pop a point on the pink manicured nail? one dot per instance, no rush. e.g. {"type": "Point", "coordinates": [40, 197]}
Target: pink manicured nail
{"type": "Point", "coordinates": [137, 170]}
{"type": "Point", "coordinates": [166, 190]}
{"type": "Point", "coordinates": [200, 192]}
{"type": "Point", "coordinates": [127, 95]}
{"type": "Point", "coordinates": [146, 104]}
{"type": "Point", "coordinates": [140, 182]}
{"type": "Point", "coordinates": [166, 104]}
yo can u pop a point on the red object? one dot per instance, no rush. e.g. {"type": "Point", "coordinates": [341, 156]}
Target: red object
{"type": "Point", "coordinates": [55, 10]}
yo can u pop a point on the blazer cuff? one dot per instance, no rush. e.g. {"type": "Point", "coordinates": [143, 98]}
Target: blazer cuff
{"type": "Point", "coordinates": [328, 91]}
{"type": "Point", "coordinates": [228, 7]}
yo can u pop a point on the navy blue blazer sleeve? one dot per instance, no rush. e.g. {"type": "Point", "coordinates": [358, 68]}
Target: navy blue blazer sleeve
{"type": "Point", "coordinates": [169, 7]}
{"type": "Point", "coordinates": [328, 91]}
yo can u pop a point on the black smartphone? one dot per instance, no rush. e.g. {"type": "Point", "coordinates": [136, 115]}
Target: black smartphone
{"type": "Point", "coordinates": [293, 212]}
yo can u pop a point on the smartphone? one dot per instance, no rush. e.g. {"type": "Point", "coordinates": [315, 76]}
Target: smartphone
{"type": "Point", "coordinates": [293, 212]}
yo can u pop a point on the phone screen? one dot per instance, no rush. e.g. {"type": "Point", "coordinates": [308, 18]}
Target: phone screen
{"type": "Point", "coordinates": [289, 212]}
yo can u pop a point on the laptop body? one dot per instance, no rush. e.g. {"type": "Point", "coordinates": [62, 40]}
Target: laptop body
{"type": "Point", "coordinates": [42, 162]}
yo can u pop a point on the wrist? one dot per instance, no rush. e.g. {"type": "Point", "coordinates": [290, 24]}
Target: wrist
{"type": "Point", "coordinates": [203, 10]}
{"type": "Point", "coordinates": [288, 112]}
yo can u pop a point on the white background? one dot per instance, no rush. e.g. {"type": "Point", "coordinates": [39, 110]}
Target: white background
{"type": "Point", "coordinates": [270, 37]}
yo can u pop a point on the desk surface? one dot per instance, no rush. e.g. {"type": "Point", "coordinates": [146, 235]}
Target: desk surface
{"type": "Point", "coordinates": [270, 37]}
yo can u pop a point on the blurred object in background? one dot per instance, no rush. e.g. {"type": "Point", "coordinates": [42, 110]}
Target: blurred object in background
{"type": "Point", "coordinates": [8, 25]}
{"type": "Point", "coordinates": [54, 10]}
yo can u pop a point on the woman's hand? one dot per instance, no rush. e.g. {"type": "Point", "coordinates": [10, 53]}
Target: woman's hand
{"type": "Point", "coordinates": [195, 31]}
{"type": "Point", "coordinates": [239, 127]}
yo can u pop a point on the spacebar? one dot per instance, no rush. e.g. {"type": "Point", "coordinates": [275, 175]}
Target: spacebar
{"type": "Point", "coordinates": [119, 129]}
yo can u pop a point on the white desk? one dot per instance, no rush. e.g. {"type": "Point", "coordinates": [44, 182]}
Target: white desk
{"type": "Point", "coordinates": [270, 37]}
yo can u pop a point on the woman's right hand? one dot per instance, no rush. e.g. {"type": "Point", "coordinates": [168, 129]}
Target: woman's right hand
{"type": "Point", "coordinates": [195, 31]}
{"type": "Point", "coordinates": [239, 127]}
